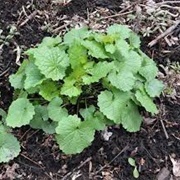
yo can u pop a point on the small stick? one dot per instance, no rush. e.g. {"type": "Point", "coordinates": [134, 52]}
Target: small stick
{"type": "Point", "coordinates": [122, 12]}
{"type": "Point", "coordinates": [116, 15]}
{"type": "Point", "coordinates": [61, 27]}
{"type": "Point", "coordinates": [168, 31]}
{"type": "Point", "coordinates": [25, 134]}
{"type": "Point", "coordinates": [123, 150]}
{"type": "Point", "coordinates": [37, 164]}
{"type": "Point", "coordinates": [168, 2]}
{"type": "Point", "coordinates": [28, 18]}
{"type": "Point", "coordinates": [41, 167]}
{"type": "Point", "coordinates": [86, 161]}
{"type": "Point", "coordinates": [77, 168]}
{"type": "Point", "coordinates": [170, 7]}
{"type": "Point", "coordinates": [4, 72]}
{"type": "Point", "coordinates": [164, 129]}
{"type": "Point", "coordinates": [165, 38]}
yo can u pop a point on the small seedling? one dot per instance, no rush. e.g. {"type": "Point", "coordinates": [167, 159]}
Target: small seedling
{"type": "Point", "coordinates": [131, 161]}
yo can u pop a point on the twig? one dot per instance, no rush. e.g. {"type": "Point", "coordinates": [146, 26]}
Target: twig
{"type": "Point", "coordinates": [28, 18]}
{"type": "Point", "coordinates": [61, 27]}
{"type": "Point", "coordinates": [164, 129]}
{"type": "Point", "coordinates": [176, 137]}
{"type": "Point", "coordinates": [26, 157]}
{"type": "Point", "coordinates": [161, 118]}
{"type": "Point", "coordinates": [173, 15]}
{"type": "Point", "coordinates": [86, 161]}
{"type": "Point", "coordinates": [168, 31]}
{"type": "Point", "coordinates": [4, 72]}
{"type": "Point", "coordinates": [33, 134]}
{"type": "Point", "coordinates": [41, 167]}
{"type": "Point", "coordinates": [116, 15]}
{"type": "Point", "coordinates": [165, 38]}
{"type": "Point", "coordinates": [168, 2]}
{"type": "Point", "coordinates": [170, 7]}
{"type": "Point", "coordinates": [123, 150]}
{"type": "Point", "coordinates": [149, 154]}
{"type": "Point", "coordinates": [77, 168]}
{"type": "Point", "coordinates": [122, 12]}
{"type": "Point", "coordinates": [25, 134]}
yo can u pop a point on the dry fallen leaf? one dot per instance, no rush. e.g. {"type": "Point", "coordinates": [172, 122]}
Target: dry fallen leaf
{"type": "Point", "coordinates": [176, 166]}
{"type": "Point", "coordinates": [142, 161]}
{"type": "Point", "coordinates": [163, 174]}
{"type": "Point", "coordinates": [149, 121]}
{"type": "Point", "coordinates": [106, 134]}
{"type": "Point", "coordinates": [10, 172]}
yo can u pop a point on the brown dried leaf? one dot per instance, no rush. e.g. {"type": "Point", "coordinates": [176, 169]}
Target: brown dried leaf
{"type": "Point", "coordinates": [10, 172]}
{"type": "Point", "coordinates": [176, 166]}
{"type": "Point", "coordinates": [163, 174]}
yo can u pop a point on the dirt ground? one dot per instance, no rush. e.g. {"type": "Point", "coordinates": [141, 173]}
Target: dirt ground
{"type": "Point", "coordinates": [24, 23]}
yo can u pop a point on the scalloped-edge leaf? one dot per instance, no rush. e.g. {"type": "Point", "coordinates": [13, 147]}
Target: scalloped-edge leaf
{"type": "Point", "coordinates": [52, 62]}
{"type": "Point", "coordinates": [133, 62]}
{"type": "Point", "coordinates": [72, 135]}
{"type": "Point", "coordinates": [33, 76]}
{"type": "Point", "coordinates": [49, 90]}
{"type": "Point", "coordinates": [20, 112]}
{"type": "Point", "coordinates": [149, 69]}
{"type": "Point", "coordinates": [76, 35]}
{"type": "Point", "coordinates": [17, 79]}
{"type": "Point", "coordinates": [123, 47]}
{"type": "Point", "coordinates": [154, 87]}
{"type": "Point", "coordinates": [40, 120]}
{"type": "Point", "coordinates": [50, 41]}
{"type": "Point", "coordinates": [134, 40]}
{"type": "Point", "coordinates": [95, 49]}
{"type": "Point", "coordinates": [98, 71]}
{"type": "Point", "coordinates": [55, 111]}
{"type": "Point", "coordinates": [122, 30]}
{"type": "Point", "coordinates": [93, 118]}
{"type": "Point", "coordinates": [105, 38]}
{"type": "Point", "coordinates": [69, 88]}
{"type": "Point", "coordinates": [122, 80]}
{"type": "Point", "coordinates": [3, 115]}
{"type": "Point", "coordinates": [110, 48]}
{"type": "Point", "coordinates": [131, 119]}
{"type": "Point", "coordinates": [40, 117]}
{"type": "Point", "coordinates": [112, 104]}
{"type": "Point", "coordinates": [146, 101]}
{"type": "Point", "coordinates": [77, 55]}
{"type": "Point", "coordinates": [9, 147]}
{"type": "Point", "coordinates": [3, 129]}
{"type": "Point", "coordinates": [88, 113]}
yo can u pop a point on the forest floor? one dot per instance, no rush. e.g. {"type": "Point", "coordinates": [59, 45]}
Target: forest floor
{"type": "Point", "coordinates": [155, 148]}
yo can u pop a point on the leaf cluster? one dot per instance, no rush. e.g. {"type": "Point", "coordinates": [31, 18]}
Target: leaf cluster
{"type": "Point", "coordinates": [9, 145]}
{"type": "Point", "coordinates": [75, 85]}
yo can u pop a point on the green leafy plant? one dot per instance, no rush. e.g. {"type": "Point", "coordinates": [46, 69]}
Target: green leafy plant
{"type": "Point", "coordinates": [9, 145]}
{"type": "Point", "coordinates": [75, 85]}
{"type": "Point", "coordinates": [132, 162]}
